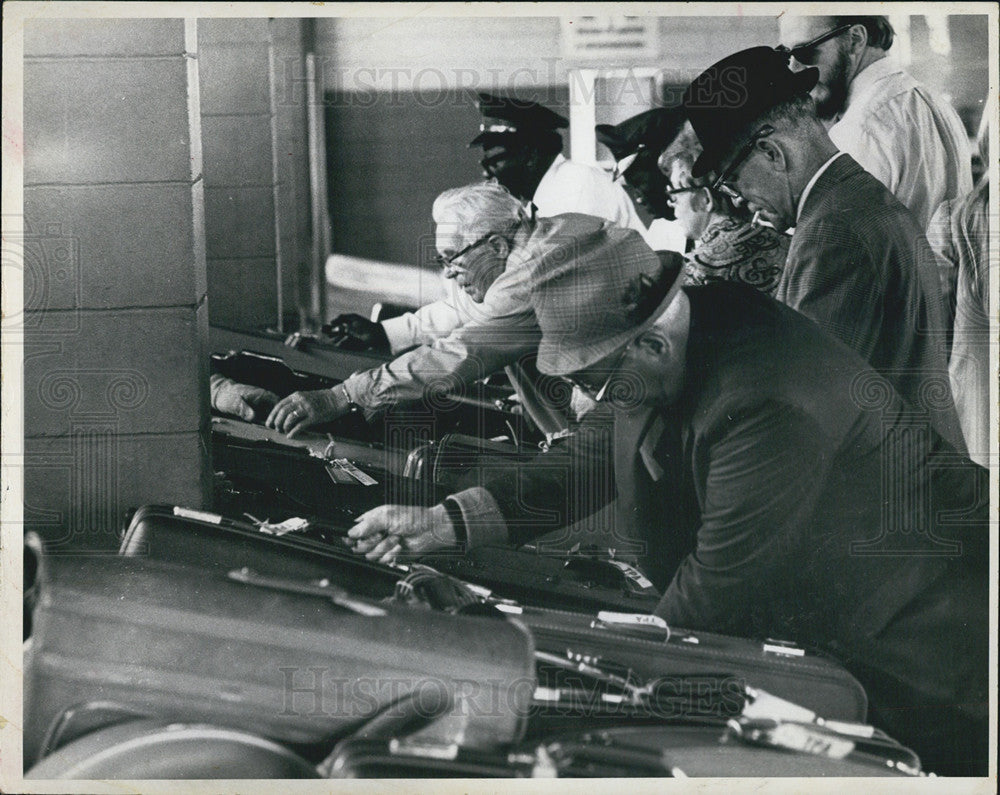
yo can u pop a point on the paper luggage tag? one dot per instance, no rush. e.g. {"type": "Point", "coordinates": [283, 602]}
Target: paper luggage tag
{"type": "Point", "coordinates": [341, 468]}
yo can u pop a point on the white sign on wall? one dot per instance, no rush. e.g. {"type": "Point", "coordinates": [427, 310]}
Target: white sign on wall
{"type": "Point", "coordinates": [610, 37]}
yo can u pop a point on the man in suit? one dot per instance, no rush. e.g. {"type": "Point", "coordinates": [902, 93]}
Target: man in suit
{"type": "Point", "coordinates": [859, 263]}
{"type": "Point", "coordinates": [780, 485]}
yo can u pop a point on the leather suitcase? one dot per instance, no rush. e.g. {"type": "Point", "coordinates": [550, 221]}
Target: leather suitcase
{"type": "Point", "coordinates": [124, 637]}
{"type": "Point", "coordinates": [257, 474]}
{"type": "Point", "coordinates": [183, 536]}
{"type": "Point", "coordinates": [206, 539]}
{"type": "Point", "coordinates": [688, 749]}
{"type": "Point", "coordinates": [713, 670]}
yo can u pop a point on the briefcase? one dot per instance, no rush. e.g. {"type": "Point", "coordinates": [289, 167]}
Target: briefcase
{"type": "Point", "coordinates": [301, 664]}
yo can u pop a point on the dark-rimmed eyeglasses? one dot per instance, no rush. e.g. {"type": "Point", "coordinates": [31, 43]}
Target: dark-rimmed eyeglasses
{"type": "Point", "coordinates": [723, 181]}
{"type": "Point", "coordinates": [449, 261]}
{"type": "Point", "coordinates": [672, 193]}
{"type": "Point", "coordinates": [597, 394]}
{"type": "Point", "coordinates": [805, 53]}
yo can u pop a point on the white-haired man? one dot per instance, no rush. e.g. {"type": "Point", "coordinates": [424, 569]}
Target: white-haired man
{"type": "Point", "coordinates": [489, 248]}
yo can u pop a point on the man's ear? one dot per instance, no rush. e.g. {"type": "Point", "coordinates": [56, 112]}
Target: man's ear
{"type": "Point", "coordinates": [499, 245]}
{"type": "Point", "coordinates": [652, 344]}
{"type": "Point", "coordinates": [857, 39]}
{"type": "Point", "coordinates": [774, 152]}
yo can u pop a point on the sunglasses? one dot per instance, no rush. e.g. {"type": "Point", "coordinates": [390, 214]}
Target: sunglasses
{"type": "Point", "coordinates": [723, 183]}
{"type": "Point", "coordinates": [597, 393]}
{"type": "Point", "coordinates": [805, 54]}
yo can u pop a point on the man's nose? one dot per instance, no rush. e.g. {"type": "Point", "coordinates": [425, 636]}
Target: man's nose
{"type": "Point", "coordinates": [795, 65]}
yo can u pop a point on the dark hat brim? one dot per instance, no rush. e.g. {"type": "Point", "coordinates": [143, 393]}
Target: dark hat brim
{"type": "Point", "coordinates": [801, 83]}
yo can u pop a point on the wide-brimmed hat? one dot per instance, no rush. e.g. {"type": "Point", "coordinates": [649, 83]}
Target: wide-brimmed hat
{"type": "Point", "coordinates": [589, 307]}
{"type": "Point", "coordinates": [726, 99]}
{"type": "Point", "coordinates": [510, 118]}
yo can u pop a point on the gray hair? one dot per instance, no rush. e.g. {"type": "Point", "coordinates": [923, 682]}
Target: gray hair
{"type": "Point", "coordinates": [478, 209]}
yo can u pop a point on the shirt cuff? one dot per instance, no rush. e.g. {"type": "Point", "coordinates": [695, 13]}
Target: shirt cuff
{"type": "Point", "coordinates": [484, 523]}
{"type": "Point", "coordinates": [398, 332]}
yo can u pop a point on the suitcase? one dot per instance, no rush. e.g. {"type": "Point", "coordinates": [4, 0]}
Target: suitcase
{"type": "Point", "coordinates": [691, 672]}
{"type": "Point", "coordinates": [688, 749]}
{"type": "Point", "coordinates": [570, 581]}
{"type": "Point", "coordinates": [125, 637]}
{"type": "Point", "coordinates": [153, 750]}
{"type": "Point", "coordinates": [183, 536]}
{"type": "Point", "coordinates": [262, 475]}
{"type": "Point", "coordinates": [200, 538]}
{"type": "Point", "coordinates": [478, 409]}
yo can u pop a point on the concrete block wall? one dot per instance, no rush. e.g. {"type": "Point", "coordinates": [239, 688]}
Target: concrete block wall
{"type": "Point", "coordinates": [115, 322]}
{"type": "Point", "coordinates": [256, 166]}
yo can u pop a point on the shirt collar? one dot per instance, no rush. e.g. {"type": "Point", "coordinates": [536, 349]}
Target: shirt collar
{"type": "Point", "coordinates": [812, 182]}
{"type": "Point", "coordinates": [866, 79]}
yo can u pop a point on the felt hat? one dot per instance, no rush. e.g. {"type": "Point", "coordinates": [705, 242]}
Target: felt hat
{"type": "Point", "coordinates": [589, 307]}
{"type": "Point", "coordinates": [725, 100]}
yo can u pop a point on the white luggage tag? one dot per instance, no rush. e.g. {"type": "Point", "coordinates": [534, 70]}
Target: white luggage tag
{"type": "Point", "coordinates": [343, 465]}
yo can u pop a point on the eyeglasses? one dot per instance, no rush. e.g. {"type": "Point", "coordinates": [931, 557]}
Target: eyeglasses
{"type": "Point", "coordinates": [722, 182]}
{"type": "Point", "coordinates": [448, 262]}
{"type": "Point", "coordinates": [672, 192]}
{"type": "Point", "coordinates": [597, 394]}
{"type": "Point", "coordinates": [806, 53]}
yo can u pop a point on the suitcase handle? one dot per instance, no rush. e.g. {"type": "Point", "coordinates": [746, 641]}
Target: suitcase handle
{"type": "Point", "coordinates": [323, 588]}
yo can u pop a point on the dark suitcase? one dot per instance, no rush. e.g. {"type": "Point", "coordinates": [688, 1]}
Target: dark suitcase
{"type": "Point", "coordinates": [126, 636]}
{"type": "Point", "coordinates": [679, 750]}
{"type": "Point", "coordinates": [208, 539]}
{"type": "Point", "coordinates": [178, 535]}
{"type": "Point", "coordinates": [642, 649]}
{"type": "Point", "coordinates": [571, 581]}
{"type": "Point", "coordinates": [263, 475]}
{"type": "Point", "coordinates": [479, 409]}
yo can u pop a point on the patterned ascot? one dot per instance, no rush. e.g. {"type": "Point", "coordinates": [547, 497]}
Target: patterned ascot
{"type": "Point", "coordinates": [732, 250]}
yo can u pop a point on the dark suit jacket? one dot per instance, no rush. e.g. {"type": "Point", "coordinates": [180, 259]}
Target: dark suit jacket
{"type": "Point", "coordinates": [860, 266]}
{"type": "Point", "coordinates": [799, 497]}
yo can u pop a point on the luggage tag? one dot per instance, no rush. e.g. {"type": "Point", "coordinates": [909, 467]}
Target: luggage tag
{"type": "Point", "coordinates": [642, 625]}
{"type": "Point", "coordinates": [341, 470]}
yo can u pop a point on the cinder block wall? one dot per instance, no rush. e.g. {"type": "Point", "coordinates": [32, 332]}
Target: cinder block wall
{"type": "Point", "coordinates": [256, 166]}
{"type": "Point", "coordinates": [116, 399]}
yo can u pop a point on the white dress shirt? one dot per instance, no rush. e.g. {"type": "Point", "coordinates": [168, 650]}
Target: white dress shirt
{"type": "Point", "coordinates": [569, 187]}
{"type": "Point", "coordinates": [910, 139]}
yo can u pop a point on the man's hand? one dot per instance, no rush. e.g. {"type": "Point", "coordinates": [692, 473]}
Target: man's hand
{"type": "Point", "coordinates": [241, 400]}
{"type": "Point", "coordinates": [302, 409]}
{"type": "Point", "coordinates": [388, 531]}
{"type": "Point", "coordinates": [356, 333]}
